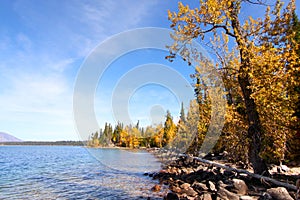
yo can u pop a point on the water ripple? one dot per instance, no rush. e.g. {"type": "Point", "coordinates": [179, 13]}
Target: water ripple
{"type": "Point", "coordinates": [52, 172]}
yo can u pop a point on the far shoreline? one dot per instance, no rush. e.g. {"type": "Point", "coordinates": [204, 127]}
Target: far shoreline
{"type": "Point", "coordinates": [44, 143]}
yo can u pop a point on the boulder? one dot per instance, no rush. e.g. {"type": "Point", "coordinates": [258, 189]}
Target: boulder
{"type": "Point", "coordinates": [175, 189]}
{"type": "Point", "coordinates": [239, 186]}
{"type": "Point", "coordinates": [185, 185]}
{"type": "Point", "coordinates": [171, 196]}
{"type": "Point", "coordinates": [226, 195]}
{"type": "Point", "coordinates": [279, 193]}
{"type": "Point", "coordinates": [200, 186]}
{"type": "Point", "coordinates": [190, 192]}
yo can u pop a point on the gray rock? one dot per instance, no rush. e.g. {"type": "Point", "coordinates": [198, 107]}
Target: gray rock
{"type": "Point", "coordinates": [240, 186]}
{"type": "Point", "coordinates": [279, 193]}
{"type": "Point", "coordinates": [226, 195]}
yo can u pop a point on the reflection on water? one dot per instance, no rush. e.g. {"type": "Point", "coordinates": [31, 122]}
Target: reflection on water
{"type": "Point", "coordinates": [52, 172]}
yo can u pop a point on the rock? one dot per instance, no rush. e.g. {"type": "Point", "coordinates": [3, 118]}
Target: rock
{"type": "Point", "coordinates": [179, 171]}
{"type": "Point", "coordinates": [221, 184]}
{"type": "Point", "coordinates": [248, 198]}
{"type": "Point", "coordinates": [184, 170]}
{"type": "Point", "coordinates": [190, 192]}
{"type": "Point", "coordinates": [185, 185]}
{"type": "Point", "coordinates": [265, 196]}
{"type": "Point", "coordinates": [163, 171]}
{"type": "Point", "coordinates": [205, 196]}
{"type": "Point", "coordinates": [285, 168]}
{"type": "Point", "coordinates": [279, 193]}
{"type": "Point", "coordinates": [173, 170]}
{"type": "Point", "coordinates": [226, 195]}
{"type": "Point", "coordinates": [189, 170]}
{"type": "Point", "coordinates": [212, 186]}
{"type": "Point", "coordinates": [146, 174]}
{"type": "Point", "coordinates": [200, 186]}
{"type": "Point", "coordinates": [171, 196]}
{"type": "Point", "coordinates": [156, 188]}
{"type": "Point", "coordinates": [175, 189]}
{"type": "Point", "coordinates": [240, 186]}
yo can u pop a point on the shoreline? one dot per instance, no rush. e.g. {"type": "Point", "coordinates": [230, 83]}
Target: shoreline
{"type": "Point", "coordinates": [188, 178]}
{"type": "Point", "coordinates": [44, 143]}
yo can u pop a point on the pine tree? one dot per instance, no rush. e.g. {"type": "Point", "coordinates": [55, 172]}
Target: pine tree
{"type": "Point", "coordinates": [182, 114]}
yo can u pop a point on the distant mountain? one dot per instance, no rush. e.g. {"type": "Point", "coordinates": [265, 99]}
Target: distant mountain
{"type": "Point", "coordinates": [5, 137]}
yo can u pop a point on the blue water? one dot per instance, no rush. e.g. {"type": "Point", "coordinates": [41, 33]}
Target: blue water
{"type": "Point", "coordinates": [54, 172]}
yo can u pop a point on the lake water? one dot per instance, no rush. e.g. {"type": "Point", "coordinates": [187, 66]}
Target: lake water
{"type": "Point", "coordinates": [55, 172]}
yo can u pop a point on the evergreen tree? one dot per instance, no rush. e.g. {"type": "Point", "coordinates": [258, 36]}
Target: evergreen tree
{"type": "Point", "coordinates": [182, 114]}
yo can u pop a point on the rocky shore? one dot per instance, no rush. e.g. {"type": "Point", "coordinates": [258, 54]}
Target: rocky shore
{"type": "Point", "coordinates": [188, 178]}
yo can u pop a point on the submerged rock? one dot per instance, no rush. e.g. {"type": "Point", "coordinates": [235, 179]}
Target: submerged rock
{"type": "Point", "coordinates": [156, 188]}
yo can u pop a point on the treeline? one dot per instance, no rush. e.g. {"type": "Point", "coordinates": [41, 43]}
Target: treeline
{"type": "Point", "coordinates": [134, 136]}
{"type": "Point", "coordinates": [56, 143]}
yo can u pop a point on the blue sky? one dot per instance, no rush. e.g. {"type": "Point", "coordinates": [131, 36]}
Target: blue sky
{"type": "Point", "coordinates": [43, 45]}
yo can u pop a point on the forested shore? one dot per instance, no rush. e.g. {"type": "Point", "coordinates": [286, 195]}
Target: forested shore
{"type": "Point", "coordinates": [47, 143]}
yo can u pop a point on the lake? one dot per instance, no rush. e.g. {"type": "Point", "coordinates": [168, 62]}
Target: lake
{"type": "Point", "coordinates": [67, 172]}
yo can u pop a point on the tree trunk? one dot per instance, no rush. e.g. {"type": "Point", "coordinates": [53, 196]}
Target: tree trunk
{"type": "Point", "coordinates": [254, 129]}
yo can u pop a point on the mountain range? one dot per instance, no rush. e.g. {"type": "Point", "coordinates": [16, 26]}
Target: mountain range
{"type": "Point", "coordinates": [5, 137]}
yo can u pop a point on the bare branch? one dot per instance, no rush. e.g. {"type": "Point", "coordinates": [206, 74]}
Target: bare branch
{"type": "Point", "coordinates": [219, 26]}
{"type": "Point", "coordinates": [258, 2]}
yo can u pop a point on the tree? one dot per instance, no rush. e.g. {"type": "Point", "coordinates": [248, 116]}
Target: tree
{"type": "Point", "coordinates": [261, 51]}
{"type": "Point", "coordinates": [117, 133]}
{"type": "Point", "coordinates": [294, 141]}
{"type": "Point", "coordinates": [182, 114]}
{"type": "Point", "coordinates": [169, 129]}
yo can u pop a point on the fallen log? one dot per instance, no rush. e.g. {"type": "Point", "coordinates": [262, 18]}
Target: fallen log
{"type": "Point", "coordinates": [257, 176]}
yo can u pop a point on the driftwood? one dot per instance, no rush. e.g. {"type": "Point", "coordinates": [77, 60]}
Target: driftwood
{"type": "Point", "coordinates": [257, 176]}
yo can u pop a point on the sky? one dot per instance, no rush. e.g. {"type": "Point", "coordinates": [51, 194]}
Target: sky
{"type": "Point", "coordinates": [43, 46]}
